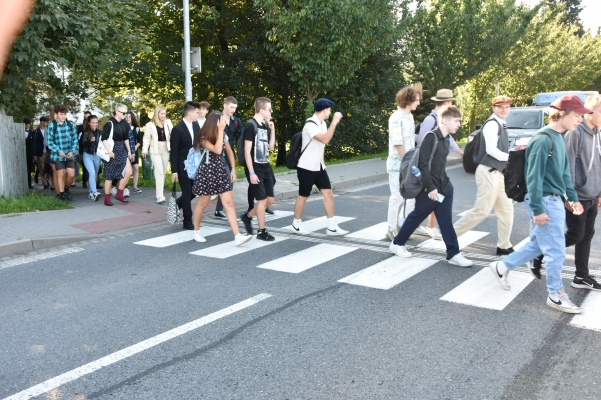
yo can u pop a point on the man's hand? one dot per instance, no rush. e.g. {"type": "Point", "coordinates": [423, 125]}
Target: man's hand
{"type": "Point", "coordinates": [599, 203]}
{"type": "Point", "coordinates": [70, 155]}
{"type": "Point", "coordinates": [62, 154]}
{"type": "Point", "coordinates": [254, 179]}
{"type": "Point", "coordinates": [174, 178]}
{"type": "Point", "coordinates": [271, 126]}
{"type": "Point", "coordinates": [111, 154]}
{"type": "Point", "coordinates": [233, 176]}
{"type": "Point", "coordinates": [541, 219]}
{"type": "Point", "coordinates": [433, 195]}
{"type": "Point", "coordinates": [336, 118]}
{"type": "Point", "coordinates": [577, 208]}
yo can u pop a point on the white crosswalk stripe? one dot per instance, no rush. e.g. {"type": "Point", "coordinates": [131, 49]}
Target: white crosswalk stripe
{"type": "Point", "coordinates": [229, 249]}
{"type": "Point", "coordinates": [308, 258]}
{"type": "Point", "coordinates": [179, 237]}
{"type": "Point", "coordinates": [482, 290]}
{"type": "Point", "coordinates": [375, 232]}
{"type": "Point", "coordinates": [320, 223]}
{"type": "Point", "coordinates": [388, 273]}
{"type": "Point", "coordinates": [591, 313]}
{"type": "Point", "coordinates": [465, 240]}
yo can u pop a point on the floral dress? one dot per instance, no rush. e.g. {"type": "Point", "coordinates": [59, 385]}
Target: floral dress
{"type": "Point", "coordinates": [212, 178]}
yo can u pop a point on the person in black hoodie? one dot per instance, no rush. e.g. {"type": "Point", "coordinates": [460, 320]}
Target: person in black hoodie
{"type": "Point", "coordinates": [38, 150]}
{"type": "Point", "coordinates": [89, 141]}
{"type": "Point", "coordinates": [437, 194]}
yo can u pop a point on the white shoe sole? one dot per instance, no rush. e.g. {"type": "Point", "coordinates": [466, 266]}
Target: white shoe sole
{"type": "Point", "coordinates": [565, 310]}
{"type": "Point", "coordinates": [298, 232]}
{"type": "Point", "coordinates": [336, 233]}
{"type": "Point", "coordinates": [200, 240]}
{"type": "Point", "coordinates": [464, 265]}
{"type": "Point", "coordinates": [493, 268]}
{"type": "Point", "coordinates": [247, 239]}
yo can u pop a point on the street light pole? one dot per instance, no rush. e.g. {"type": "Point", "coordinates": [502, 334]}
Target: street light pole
{"type": "Point", "coordinates": [187, 68]}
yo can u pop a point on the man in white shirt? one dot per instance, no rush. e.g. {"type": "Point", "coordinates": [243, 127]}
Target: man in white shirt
{"type": "Point", "coordinates": [492, 158]}
{"type": "Point", "coordinates": [311, 169]}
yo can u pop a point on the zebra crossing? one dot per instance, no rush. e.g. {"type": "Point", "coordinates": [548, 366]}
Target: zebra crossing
{"type": "Point", "coordinates": [480, 290]}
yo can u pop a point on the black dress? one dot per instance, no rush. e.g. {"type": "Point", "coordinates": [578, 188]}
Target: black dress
{"type": "Point", "coordinates": [212, 178]}
{"type": "Point", "coordinates": [114, 168]}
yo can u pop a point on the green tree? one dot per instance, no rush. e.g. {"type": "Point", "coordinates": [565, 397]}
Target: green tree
{"type": "Point", "coordinates": [572, 10]}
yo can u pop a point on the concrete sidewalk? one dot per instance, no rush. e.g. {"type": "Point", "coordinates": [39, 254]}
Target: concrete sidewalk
{"type": "Point", "coordinates": [22, 233]}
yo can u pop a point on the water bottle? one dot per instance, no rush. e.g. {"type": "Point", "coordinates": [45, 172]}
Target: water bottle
{"type": "Point", "coordinates": [417, 173]}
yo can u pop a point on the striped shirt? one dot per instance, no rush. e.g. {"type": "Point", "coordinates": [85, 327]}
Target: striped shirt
{"type": "Point", "coordinates": [62, 139]}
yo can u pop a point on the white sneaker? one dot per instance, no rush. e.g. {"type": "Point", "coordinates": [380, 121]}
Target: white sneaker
{"type": "Point", "coordinates": [126, 192]}
{"type": "Point", "coordinates": [161, 200]}
{"type": "Point", "coordinates": [300, 230]}
{"type": "Point", "coordinates": [336, 232]}
{"type": "Point", "coordinates": [400, 251]}
{"type": "Point", "coordinates": [390, 235]}
{"type": "Point", "coordinates": [563, 303]}
{"type": "Point", "coordinates": [421, 230]}
{"type": "Point", "coordinates": [91, 196]}
{"type": "Point", "coordinates": [433, 232]}
{"type": "Point", "coordinates": [501, 278]}
{"type": "Point", "coordinates": [198, 237]}
{"type": "Point", "coordinates": [113, 191]}
{"type": "Point", "coordinates": [459, 259]}
{"type": "Point", "coordinates": [240, 239]}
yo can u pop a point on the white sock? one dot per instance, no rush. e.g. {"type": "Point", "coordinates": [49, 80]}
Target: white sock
{"type": "Point", "coordinates": [554, 296]}
{"type": "Point", "coordinates": [198, 231]}
{"type": "Point", "coordinates": [501, 267]}
{"type": "Point", "coordinates": [332, 225]}
{"type": "Point", "coordinates": [296, 222]}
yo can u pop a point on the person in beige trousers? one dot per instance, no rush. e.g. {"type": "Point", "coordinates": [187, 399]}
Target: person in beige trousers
{"type": "Point", "coordinates": [156, 142]}
{"type": "Point", "coordinates": [490, 181]}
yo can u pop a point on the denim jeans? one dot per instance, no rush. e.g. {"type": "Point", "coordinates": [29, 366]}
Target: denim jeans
{"type": "Point", "coordinates": [92, 164]}
{"type": "Point", "coordinates": [547, 239]}
{"type": "Point", "coordinates": [444, 214]}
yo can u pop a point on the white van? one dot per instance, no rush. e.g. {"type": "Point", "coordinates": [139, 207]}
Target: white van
{"type": "Point", "coordinates": [545, 99]}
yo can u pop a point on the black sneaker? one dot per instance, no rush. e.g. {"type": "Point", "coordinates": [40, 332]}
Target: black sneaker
{"type": "Point", "coordinates": [504, 252]}
{"type": "Point", "coordinates": [220, 215]}
{"type": "Point", "coordinates": [85, 186]}
{"type": "Point", "coordinates": [62, 197]}
{"type": "Point", "coordinates": [535, 266]}
{"type": "Point", "coordinates": [588, 283]}
{"type": "Point", "coordinates": [247, 223]}
{"type": "Point", "coordinates": [67, 193]}
{"type": "Point", "coordinates": [264, 235]}
{"type": "Point", "coordinates": [46, 186]}
{"type": "Point", "coordinates": [269, 211]}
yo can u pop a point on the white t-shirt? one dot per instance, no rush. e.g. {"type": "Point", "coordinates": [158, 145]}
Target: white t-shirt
{"type": "Point", "coordinates": [312, 157]}
{"type": "Point", "coordinates": [401, 132]}
{"type": "Point", "coordinates": [491, 138]}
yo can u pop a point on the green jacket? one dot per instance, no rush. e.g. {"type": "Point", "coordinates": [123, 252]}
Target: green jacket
{"type": "Point", "coordinates": [547, 175]}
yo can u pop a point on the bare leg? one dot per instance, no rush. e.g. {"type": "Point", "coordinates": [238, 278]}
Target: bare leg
{"type": "Point", "coordinates": [136, 174]}
{"type": "Point", "coordinates": [60, 174]}
{"type": "Point", "coordinates": [227, 199]}
{"type": "Point", "coordinates": [328, 202]}
{"type": "Point", "coordinates": [55, 179]}
{"type": "Point", "coordinates": [431, 220]}
{"type": "Point", "coordinates": [199, 209]}
{"type": "Point", "coordinates": [299, 206]}
{"type": "Point", "coordinates": [70, 177]}
{"type": "Point", "coordinates": [123, 182]}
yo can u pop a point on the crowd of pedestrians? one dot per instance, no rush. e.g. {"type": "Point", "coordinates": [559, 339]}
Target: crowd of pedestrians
{"type": "Point", "coordinates": [562, 173]}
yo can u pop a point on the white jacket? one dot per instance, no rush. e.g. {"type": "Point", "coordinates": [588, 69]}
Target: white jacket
{"type": "Point", "coordinates": [150, 142]}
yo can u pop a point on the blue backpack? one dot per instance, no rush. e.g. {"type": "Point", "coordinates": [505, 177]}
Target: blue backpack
{"type": "Point", "coordinates": [193, 161]}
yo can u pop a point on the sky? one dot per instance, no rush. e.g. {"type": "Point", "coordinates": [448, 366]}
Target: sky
{"type": "Point", "coordinates": [590, 14]}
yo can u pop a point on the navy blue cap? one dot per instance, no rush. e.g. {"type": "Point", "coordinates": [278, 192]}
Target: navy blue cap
{"type": "Point", "coordinates": [26, 121]}
{"type": "Point", "coordinates": [44, 119]}
{"type": "Point", "coordinates": [322, 104]}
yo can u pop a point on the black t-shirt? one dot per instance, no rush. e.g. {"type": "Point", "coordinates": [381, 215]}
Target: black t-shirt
{"type": "Point", "coordinates": [260, 148]}
{"type": "Point", "coordinates": [120, 130]}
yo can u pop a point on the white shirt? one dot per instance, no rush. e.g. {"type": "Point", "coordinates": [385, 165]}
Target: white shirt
{"type": "Point", "coordinates": [190, 129]}
{"type": "Point", "coordinates": [201, 122]}
{"type": "Point", "coordinates": [401, 132]}
{"type": "Point", "coordinates": [312, 157]}
{"type": "Point", "coordinates": [490, 132]}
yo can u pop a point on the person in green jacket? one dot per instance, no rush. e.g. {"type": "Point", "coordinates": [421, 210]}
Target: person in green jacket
{"type": "Point", "coordinates": [550, 189]}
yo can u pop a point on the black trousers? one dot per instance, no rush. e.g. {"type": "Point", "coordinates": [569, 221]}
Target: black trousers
{"type": "Point", "coordinates": [185, 200]}
{"type": "Point", "coordinates": [30, 168]}
{"type": "Point", "coordinates": [581, 229]}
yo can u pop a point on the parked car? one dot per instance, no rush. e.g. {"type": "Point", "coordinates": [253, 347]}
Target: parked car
{"type": "Point", "coordinates": [522, 124]}
{"type": "Point", "coordinates": [545, 99]}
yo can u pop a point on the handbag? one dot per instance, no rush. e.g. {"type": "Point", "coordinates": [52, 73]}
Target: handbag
{"type": "Point", "coordinates": [147, 167]}
{"type": "Point", "coordinates": [172, 208]}
{"type": "Point", "coordinates": [102, 151]}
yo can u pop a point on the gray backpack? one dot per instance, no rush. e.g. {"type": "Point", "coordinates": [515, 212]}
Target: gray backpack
{"type": "Point", "coordinates": [412, 185]}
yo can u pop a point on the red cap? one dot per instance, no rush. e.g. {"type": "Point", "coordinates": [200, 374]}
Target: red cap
{"type": "Point", "coordinates": [570, 102]}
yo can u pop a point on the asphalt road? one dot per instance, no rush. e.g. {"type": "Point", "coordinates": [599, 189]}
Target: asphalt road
{"type": "Point", "coordinates": [302, 335]}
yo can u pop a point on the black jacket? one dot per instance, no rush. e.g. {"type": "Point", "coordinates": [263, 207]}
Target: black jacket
{"type": "Point", "coordinates": [37, 144]}
{"type": "Point", "coordinates": [181, 143]}
{"type": "Point", "coordinates": [29, 144]}
{"type": "Point", "coordinates": [90, 147]}
{"type": "Point", "coordinates": [435, 176]}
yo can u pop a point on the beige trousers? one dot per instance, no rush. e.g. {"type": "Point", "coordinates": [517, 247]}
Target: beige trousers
{"type": "Point", "coordinates": [160, 162]}
{"type": "Point", "coordinates": [490, 194]}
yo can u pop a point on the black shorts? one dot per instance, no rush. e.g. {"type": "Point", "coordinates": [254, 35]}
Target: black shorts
{"type": "Point", "coordinates": [264, 188]}
{"type": "Point", "coordinates": [60, 165]}
{"type": "Point", "coordinates": [306, 180]}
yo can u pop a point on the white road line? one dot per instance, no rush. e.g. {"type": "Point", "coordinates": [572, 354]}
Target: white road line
{"type": "Point", "coordinates": [132, 350]}
{"type": "Point", "coordinates": [591, 312]}
{"type": "Point", "coordinates": [482, 290]}
{"type": "Point", "coordinates": [38, 257]}
{"type": "Point", "coordinates": [320, 223]}
{"type": "Point", "coordinates": [521, 244]}
{"type": "Point", "coordinates": [375, 232]}
{"type": "Point", "coordinates": [465, 240]}
{"type": "Point", "coordinates": [277, 214]}
{"type": "Point", "coordinates": [388, 273]}
{"type": "Point", "coordinates": [179, 237]}
{"type": "Point", "coordinates": [308, 258]}
{"type": "Point", "coordinates": [230, 249]}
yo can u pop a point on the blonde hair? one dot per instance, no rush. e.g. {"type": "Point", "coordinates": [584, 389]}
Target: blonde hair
{"type": "Point", "coordinates": [593, 102]}
{"type": "Point", "coordinates": [155, 117]}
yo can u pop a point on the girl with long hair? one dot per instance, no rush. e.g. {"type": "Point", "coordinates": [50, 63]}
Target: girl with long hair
{"type": "Point", "coordinates": [91, 160]}
{"type": "Point", "coordinates": [212, 178]}
{"type": "Point", "coordinates": [134, 143]}
{"type": "Point", "coordinates": [156, 142]}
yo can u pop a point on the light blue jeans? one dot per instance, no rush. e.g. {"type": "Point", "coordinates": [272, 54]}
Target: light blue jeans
{"type": "Point", "coordinates": [92, 164]}
{"type": "Point", "coordinates": [547, 239]}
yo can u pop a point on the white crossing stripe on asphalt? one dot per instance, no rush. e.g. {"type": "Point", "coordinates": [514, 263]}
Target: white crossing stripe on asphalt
{"type": "Point", "coordinates": [308, 258]}
{"type": "Point", "coordinates": [521, 244]}
{"type": "Point", "coordinates": [230, 249]}
{"type": "Point", "coordinates": [375, 232]}
{"type": "Point", "coordinates": [388, 273]}
{"type": "Point", "coordinates": [591, 313]}
{"type": "Point", "coordinates": [482, 290]}
{"type": "Point", "coordinates": [465, 240]}
{"type": "Point", "coordinates": [277, 214]}
{"type": "Point", "coordinates": [132, 350]}
{"type": "Point", "coordinates": [179, 237]}
{"type": "Point", "coordinates": [42, 256]}
{"type": "Point", "coordinates": [317, 224]}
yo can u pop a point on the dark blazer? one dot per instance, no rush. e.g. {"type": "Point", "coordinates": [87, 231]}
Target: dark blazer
{"type": "Point", "coordinates": [37, 145]}
{"type": "Point", "coordinates": [181, 143]}
{"type": "Point", "coordinates": [29, 144]}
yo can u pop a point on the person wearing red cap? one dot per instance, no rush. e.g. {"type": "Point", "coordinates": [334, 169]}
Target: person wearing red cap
{"type": "Point", "coordinates": [549, 182]}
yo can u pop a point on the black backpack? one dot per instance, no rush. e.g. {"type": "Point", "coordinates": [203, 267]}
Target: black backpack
{"type": "Point", "coordinates": [410, 185]}
{"type": "Point", "coordinates": [240, 144]}
{"type": "Point", "coordinates": [471, 151]}
{"type": "Point", "coordinates": [515, 181]}
{"type": "Point", "coordinates": [296, 152]}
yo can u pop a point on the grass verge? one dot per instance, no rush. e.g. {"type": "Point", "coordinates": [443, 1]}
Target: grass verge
{"type": "Point", "coordinates": [33, 201]}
